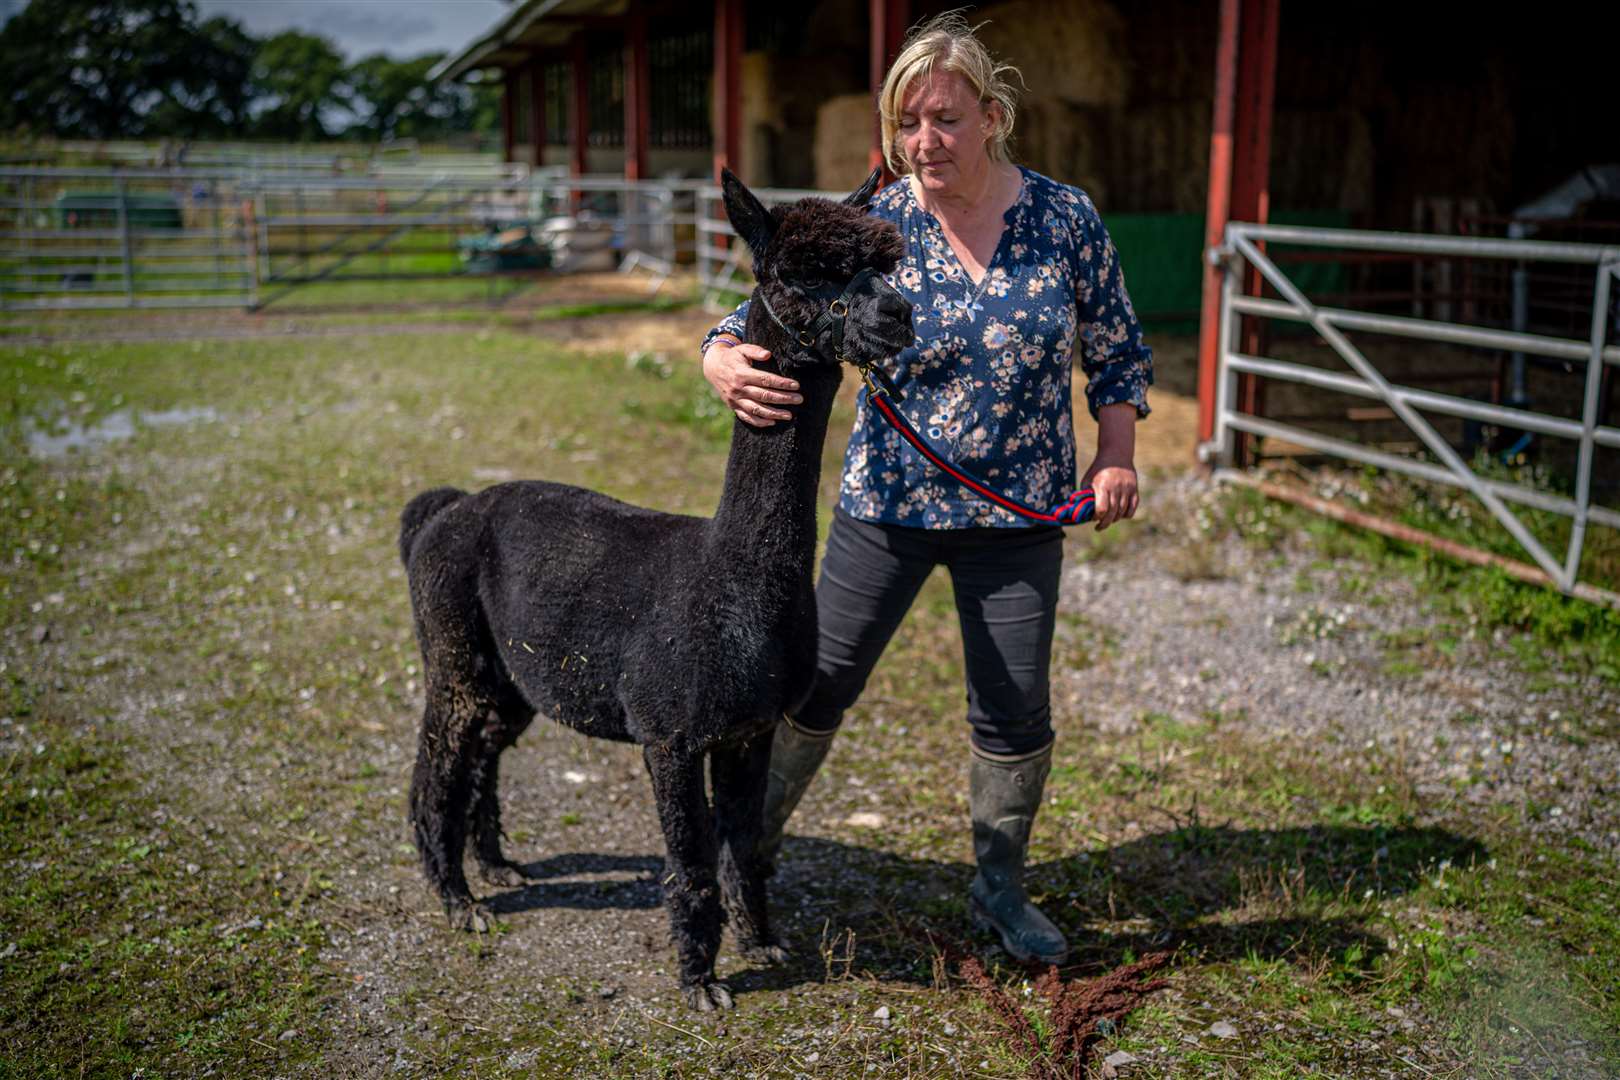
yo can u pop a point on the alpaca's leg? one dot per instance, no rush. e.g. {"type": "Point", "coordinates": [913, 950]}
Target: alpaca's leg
{"type": "Point", "coordinates": [502, 730]}
{"type": "Point", "coordinates": [441, 793]}
{"type": "Point", "coordinates": [690, 890]}
{"type": "Point", "coordinates": [740, 774]}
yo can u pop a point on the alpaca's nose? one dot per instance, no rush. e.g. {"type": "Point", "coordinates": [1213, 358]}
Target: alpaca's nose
{"type": "Point", "coordinates": [893, 305]}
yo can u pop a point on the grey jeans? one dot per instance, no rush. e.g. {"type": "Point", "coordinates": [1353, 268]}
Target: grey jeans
{"type": "Point", "coordinates": [1006, 585]}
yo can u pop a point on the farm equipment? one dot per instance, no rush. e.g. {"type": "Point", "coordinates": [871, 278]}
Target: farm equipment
{"type": "Point", "coordinates": [500, 251]}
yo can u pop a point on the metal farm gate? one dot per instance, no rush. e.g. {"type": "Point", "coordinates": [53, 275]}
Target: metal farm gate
{"type": "Point", "coordinates": [724, 262]}
{"type": "Point", "coordinates": [1243, 253]}
{"type": "Point", "coordinates": [138, 238]}
{"type": "Point", "coordinates": [247, 237]}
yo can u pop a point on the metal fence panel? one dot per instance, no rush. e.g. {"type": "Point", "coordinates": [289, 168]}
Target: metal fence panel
{"type": "Point", "coordinates": [259, 226]}
{"type": "Point", "coordinates": [89, 238]}
{"type": "Point", "coordinates": [1242, 247]}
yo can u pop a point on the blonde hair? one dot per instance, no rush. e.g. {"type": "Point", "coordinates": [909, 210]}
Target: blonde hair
{"type": "Point", "coordinates": [946, 43]}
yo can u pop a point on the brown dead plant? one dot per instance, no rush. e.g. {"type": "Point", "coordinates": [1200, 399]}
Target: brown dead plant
{"type": "Point", "coordinates": [1079, 1012]}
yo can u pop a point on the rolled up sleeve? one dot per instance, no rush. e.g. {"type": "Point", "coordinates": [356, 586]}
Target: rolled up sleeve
{"type": "Point", "coordinates": [1118, 364]}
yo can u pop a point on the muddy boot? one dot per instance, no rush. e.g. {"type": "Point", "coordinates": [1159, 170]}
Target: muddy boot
{"type": "Point", "coordinates": [1004, 798]}
{"type": "Point", "coordinates": [796, 754]}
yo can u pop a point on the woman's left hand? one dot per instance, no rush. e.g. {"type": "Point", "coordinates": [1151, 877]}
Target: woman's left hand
{"type": "Point", "coordinates": [1112, 475]}
{"type": "Point", "coordinates": [1115, 486]}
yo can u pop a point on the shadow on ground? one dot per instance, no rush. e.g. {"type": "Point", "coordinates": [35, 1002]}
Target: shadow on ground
{"type": "Point", "coordinates": [1221, 894]}
{"type": "Point", "coordinates": [641, 891]}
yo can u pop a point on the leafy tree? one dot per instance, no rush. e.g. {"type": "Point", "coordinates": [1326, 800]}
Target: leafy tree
{"type": "Point", "coordinates": [484, 112]}
{"type": "Point", "coordinates": [133, 68]}
{"type": "Point", "coordinates": [389, 92]}
{"type": "Point", "coordinates": [301, 81]}
{"type": "Point", "coordinates": [217, 94]}
{"type": "Point", "coordinates": [395, 99]}
{"type": "Point", "coordinates": [228, 61]}
{"type": "Point", "coordinates": [118, 68]}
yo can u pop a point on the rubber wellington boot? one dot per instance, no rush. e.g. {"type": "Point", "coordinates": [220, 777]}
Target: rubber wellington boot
{"type": "Point", "coordinates": [796, 754]}
{"type": "Point", "coordinates": [1004, 796]}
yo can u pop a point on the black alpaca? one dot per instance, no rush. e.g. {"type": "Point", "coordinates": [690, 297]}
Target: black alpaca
{"type": "Point", "coordinates": [687, 635]}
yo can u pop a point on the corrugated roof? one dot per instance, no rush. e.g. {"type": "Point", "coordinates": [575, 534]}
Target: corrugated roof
{"type": "Point", "coordinates": [531, 25]}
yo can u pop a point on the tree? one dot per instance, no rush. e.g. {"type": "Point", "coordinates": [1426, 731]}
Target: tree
{"type": "Point", "coordinates": [453, 108]}
{"type": "Point", "coordinates": [134, 68]}
{"type": "Point", "coordinates": [119, 68]}
{"type": "Point", "coordinates": [302, 84]}
{"type": "Point", "coordinates": [228, 63]}
{"type": "Point", "coordinates": [215, 96]}
{"type": "Point", "coordinates": [389, 92]}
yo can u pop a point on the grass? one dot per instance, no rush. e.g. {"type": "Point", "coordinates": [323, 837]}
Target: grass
{"type": "Point", "coordinates": [494, 300]}
{"type": "Point", "coordinates": [206, 699]}
{"type": "Point", "coordinates": [1547, 630]}
{"type": "Point", "coordinates": [122, 952]}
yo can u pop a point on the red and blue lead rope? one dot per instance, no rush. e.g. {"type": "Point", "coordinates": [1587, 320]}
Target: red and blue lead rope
{"type": "Point", "coordinates": [1075, 510]}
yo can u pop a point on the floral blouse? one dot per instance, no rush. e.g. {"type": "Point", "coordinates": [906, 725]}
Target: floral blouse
{"type": "Point", "coordinates": [987, 379]}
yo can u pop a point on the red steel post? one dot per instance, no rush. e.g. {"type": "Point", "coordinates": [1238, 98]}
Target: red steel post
{"type": "Point", "coordinates": [1239, 183]}
{"type": "Point", "coordinates": [579, 162]}
{"type": "Point", "coordinates": [537, 112]}
{"type": "Point", "coordinates": [1251, 186]}
{"type": "Point", "coordinates": [887, 19]}
{"type": "Point", "coordinates": [728, 43]}
{"type": "Point", "coordinates": [1217, 210]}
{"type": "Point", "coordinates": [637, 95]}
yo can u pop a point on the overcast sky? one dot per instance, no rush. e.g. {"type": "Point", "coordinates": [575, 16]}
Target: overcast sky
{"type": "Point", "coordinates": [358, 28]}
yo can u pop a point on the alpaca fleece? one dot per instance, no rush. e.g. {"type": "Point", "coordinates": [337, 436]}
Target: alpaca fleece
{"type": "Point", "coordinates": [688, 636]}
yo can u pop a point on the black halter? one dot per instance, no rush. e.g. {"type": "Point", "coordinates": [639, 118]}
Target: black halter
{"type": "Point", "coordinates": [881, 394]}
{"type": "Point", "coordinates": [825, 336]}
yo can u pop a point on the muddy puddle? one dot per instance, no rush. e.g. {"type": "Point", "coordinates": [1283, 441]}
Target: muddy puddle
{"type": "Point", "coordinates": [68, 436]}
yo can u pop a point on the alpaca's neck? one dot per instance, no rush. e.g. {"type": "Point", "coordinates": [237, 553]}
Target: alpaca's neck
{"type": "Point", "coordinates": [767, 512]}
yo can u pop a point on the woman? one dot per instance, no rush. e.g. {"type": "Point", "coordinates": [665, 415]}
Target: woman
{"type": "Point", "coordinates": [1007, 270]}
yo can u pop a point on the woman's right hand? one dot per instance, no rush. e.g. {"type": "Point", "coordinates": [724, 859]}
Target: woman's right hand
{"type": "Point", "coordinates": [750, 393]}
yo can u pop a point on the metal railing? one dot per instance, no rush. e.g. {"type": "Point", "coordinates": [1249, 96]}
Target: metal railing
{"type": "Point", "coordinates": [1242, 247]}
{"type": "Point", "coordinates": [722, 259]}
{"type": "Point", "coordinates": [185, 237]}
{"type": "Point", "coordinates": [73, 238]}
{"type": "Point", "coordinates": [89, 238]}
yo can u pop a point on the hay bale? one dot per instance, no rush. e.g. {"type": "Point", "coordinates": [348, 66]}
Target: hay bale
{"type": "Point", "coordinates": [1165, 149]}
{"type": "Point", "coordinates": [1072, 50]}
{"type": "Point", "coordinates": [843, 141]}
{"type": "Point", "coordinates": [1065, 142]}
{"type": "Point", "coordinates": [1172, 46]}
{"type": "Point", "coordinates": [761, 116]}
{"type": "Point", "coordinates": [1148, 158]}
{"type": "Point", "coordinates": [574, 262]}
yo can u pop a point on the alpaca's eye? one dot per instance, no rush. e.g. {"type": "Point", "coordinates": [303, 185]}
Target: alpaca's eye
{"type": "Point", "coordinates": [814, 282]}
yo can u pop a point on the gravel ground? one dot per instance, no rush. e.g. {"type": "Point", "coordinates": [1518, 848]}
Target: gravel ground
{"type": "Point", "coordinates": [1276, 663]}
{"type": "Point", "coordinates": [1283, 648]}
{"type": "Point", "coordinates": [1281, 663]}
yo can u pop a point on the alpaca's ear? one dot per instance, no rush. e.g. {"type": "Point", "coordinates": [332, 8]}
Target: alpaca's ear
{"type": "Point", "coordinates": [863, 194]}
{"type": "Point", "coordinates": [748, 215]}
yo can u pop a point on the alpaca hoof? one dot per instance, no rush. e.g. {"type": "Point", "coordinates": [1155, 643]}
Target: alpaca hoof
{"type": "Point", "coordinates": [475, 918]}
{"type": "Point", "coordinates": [507, 874]}
{"type": "Point", "coordinates": [769, 954]}
{"type": "Point", "coordinates": [708, 997]}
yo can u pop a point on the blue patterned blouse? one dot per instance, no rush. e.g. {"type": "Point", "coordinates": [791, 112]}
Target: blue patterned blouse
{"type": "Point", "coordinates": [987, 379]}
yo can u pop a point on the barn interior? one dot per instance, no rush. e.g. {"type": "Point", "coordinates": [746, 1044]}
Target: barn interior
{"type": "Point", "coordinates": [1385, 115]}
{"type": "Point", "coordinates": [1380, 116]}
